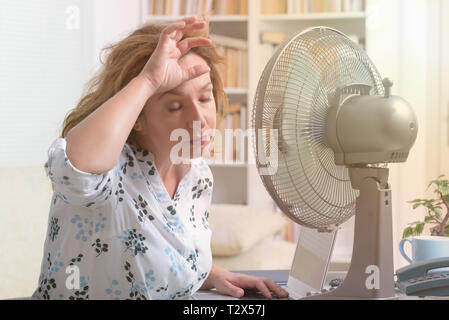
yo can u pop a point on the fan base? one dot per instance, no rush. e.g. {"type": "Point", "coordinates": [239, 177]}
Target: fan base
{"type": "Point", "coordinates": [370, 275]}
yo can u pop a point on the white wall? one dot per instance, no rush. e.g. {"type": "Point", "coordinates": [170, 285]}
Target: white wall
{"type": "Point", "coordinates": [49, 50]}
{"type": "Point", "coordinates": [114, 19]}
{"type": "Point", "coordinates": [402, 42]}
{"type": "Point", "coordinates": [44, 61]}
{"type": "Point", "coordinates": [443, 101]}
{"type": "Point", "coordinates": [406, 42]}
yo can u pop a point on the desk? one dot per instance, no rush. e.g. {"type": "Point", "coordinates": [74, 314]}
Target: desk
{"type": "Point", "coordinates": [281, 277]}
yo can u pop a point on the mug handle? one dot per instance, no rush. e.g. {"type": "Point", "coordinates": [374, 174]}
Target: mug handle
{"type": "Point", "coordinates": [401, 249]}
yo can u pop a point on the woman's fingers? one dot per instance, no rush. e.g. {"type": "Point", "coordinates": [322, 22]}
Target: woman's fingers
{"type": "Point", "coordinates": [194, 72]}
{"type": "Point", "coordinates": [178, 28]}
{"type": "Point", "coordinates": [230, 289]}
{"type": "Point", "coordinates": [171, 28]}
{"type": "Point", "coordinates": [188, 28]}
{"type": "Point", "coordinates": [185, 45]}
{"type": "Point", "coordinates": [272, 286]}
{"type": "Point", "coordinates": [194, 26]}
{"type": "Point", "coordinates": [262, 287]}
{"type": "Point", "coordinates": [190, 19]}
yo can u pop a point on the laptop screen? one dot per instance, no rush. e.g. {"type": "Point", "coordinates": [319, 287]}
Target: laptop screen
{"type": "Point", "coordinates": [311, 260]}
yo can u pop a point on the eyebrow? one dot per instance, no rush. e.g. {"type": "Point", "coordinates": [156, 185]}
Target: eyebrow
{"type": "Point", "coordinates": [175, 92]}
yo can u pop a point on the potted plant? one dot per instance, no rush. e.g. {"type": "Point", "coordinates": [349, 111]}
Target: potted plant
{"type": "Point", "coordinates": [437, 211]}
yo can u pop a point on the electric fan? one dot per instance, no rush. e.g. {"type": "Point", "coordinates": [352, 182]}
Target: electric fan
{"type": "Point", "coordinates": [325, 126]}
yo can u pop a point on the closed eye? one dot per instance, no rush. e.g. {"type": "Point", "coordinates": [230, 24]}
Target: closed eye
{"type": "Point", "coordinates": [206, 100]}
{"type": "Point", "coordinates": [174, 109]}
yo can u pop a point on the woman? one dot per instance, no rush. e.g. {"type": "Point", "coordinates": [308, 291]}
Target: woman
{"type": "Point", "coordinates": [127, 220]}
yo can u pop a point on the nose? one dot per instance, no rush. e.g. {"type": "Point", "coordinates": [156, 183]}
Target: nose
{"type": "Point", "coordinates": [196, 114]}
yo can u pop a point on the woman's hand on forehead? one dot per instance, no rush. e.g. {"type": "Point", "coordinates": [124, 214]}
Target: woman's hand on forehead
{"type": "Point", "coordinates": [163, 70]}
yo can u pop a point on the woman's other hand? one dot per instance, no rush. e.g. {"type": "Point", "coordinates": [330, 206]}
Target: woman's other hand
{"type": "Point", "coordinates": [162, 70]}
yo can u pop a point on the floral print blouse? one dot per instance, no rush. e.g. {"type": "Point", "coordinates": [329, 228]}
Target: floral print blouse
{"type": "Point", "coordinates": [119, 235]}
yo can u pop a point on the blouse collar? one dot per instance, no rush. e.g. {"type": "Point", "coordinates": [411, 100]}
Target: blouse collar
{"type": "Point", "coordinates": [141, 154]}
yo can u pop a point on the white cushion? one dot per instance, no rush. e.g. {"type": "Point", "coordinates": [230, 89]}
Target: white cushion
{"type": "Point", "coordinates": [237, 228]}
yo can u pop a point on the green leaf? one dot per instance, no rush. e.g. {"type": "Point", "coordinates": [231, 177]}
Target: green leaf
{"type": "Point", "coordinates": [419, 228]}
{"type": "Point", "coordinates": [416, 205]}
{"type": "Point", "coordinates": [444, 190]}
{"type": "Point", "coordinates": [408, 232]}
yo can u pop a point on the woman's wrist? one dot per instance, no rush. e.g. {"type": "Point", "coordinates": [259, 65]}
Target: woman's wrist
{"type": "Point", "coordinates": [146, 84]}
{"type": "Point", "coordinates": [209, 282]}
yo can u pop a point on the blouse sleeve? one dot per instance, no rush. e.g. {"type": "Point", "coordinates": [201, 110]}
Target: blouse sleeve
{"type": "Point", "coordinates": [75, 186]}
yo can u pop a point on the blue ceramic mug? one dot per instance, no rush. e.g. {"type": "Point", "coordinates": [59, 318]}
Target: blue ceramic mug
{"type": "Point", "coordinates": [425, 248]}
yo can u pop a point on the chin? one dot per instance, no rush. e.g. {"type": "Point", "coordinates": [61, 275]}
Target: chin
{"type": "Point", "coordinates": [200, 150]}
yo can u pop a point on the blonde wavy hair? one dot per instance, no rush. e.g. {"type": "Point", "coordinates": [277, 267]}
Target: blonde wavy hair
{"type": "Point", "coordinates": [126, 59]}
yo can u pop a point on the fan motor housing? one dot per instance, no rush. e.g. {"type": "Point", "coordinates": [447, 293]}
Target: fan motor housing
{"type": "Point", "coordinates": [370, 129]}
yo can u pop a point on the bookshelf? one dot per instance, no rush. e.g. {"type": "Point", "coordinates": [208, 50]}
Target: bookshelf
{"type": "Point", "coordinates": [239, 182]}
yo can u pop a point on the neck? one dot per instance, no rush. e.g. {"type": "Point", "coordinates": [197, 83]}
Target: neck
{"type": "Point", "coordinates": [166, 169]}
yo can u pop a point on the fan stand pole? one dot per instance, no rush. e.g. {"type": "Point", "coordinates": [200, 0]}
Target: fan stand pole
{"type": "Point", "coordinates": [370, 275]}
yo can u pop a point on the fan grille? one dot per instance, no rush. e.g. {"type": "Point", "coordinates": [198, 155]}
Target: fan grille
{"type": "Point", "coordinates": [292, 96]}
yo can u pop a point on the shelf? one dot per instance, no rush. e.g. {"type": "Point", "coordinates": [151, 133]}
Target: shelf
{"type": "Point", "coordinates": [215, 18]}
{"type": "Point", "coordinates": [313, 16]}
{"type": "Point", "coordinates": [236, 91]}
{"type": "Point", "coordinates": [269, 17]}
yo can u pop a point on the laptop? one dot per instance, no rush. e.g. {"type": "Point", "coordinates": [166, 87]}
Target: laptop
{"type": "Point", "coordinates": [308, 273]}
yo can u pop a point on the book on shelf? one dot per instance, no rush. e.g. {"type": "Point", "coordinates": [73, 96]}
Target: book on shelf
{"type": "Point", "coordinates": [230, 7]}
{"type": "Point", "coordinates": [235, 73]}
{"type": "Point", "coordinates": [196, 7]}
{"type": "Point", "coordinates": [274, 6]}
{"type": "Point", "coordinates": [273, 37]}
{"type": "Point", "coordinates": [311, 6]}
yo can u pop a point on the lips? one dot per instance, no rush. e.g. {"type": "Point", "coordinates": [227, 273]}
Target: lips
{"type": "Point", "coordinates": [203, 140]}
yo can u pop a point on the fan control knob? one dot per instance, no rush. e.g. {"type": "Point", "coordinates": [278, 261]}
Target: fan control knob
{"type": "Point", "coordinates": [387, 83]}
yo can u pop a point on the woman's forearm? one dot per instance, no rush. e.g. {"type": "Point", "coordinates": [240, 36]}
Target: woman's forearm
{"type": "Point", "coordinates": [95, 144]}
